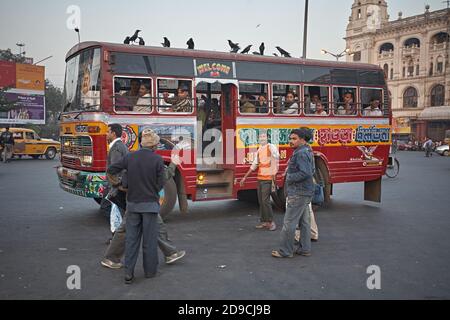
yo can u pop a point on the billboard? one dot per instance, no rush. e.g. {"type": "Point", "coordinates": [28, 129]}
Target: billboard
{"type": "Point", "coordinates": [23, 101]}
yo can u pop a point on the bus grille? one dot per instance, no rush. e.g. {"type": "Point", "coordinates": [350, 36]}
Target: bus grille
{"type": "Point", "coordinates": [73, 149]}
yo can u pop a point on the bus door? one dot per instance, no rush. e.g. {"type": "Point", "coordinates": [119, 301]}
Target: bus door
{"type": "Point", "coordinates": [215, 166]}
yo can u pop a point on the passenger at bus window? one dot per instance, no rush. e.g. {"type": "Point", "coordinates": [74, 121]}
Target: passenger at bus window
{"type": "Point", "coordinates": [290, 106]}
{"type": "Point", "coordinates": [120, 102]}
{"type": "Point", "coordinates": [320, 111]}
{"type": "Point", "coordinates": [143, 104]}
{"type": "Point", "coordinates": [314, 102]}
{"type": "Point", "coordinates": [133, 94]}
{"type": "Point", "coordinates": [347, 107]}
{"type": "Point", "coordinates": [374, 109]}
{"type": "Point", "coordinates": [261, 105]}
{"type": "Point", "coordinates": [180, 103]}
{"type": "Point", "coordinates": [246, 105]}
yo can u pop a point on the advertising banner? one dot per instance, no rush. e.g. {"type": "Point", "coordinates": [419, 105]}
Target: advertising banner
{"type": "Point", "coordinates": [30, 77]}
{"type": "Point", "coordinates": [7, 74]}
{"type": "Point", "coordinates": [28, 108]}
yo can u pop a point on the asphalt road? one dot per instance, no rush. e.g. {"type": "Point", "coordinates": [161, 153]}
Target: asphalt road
{"type": "Point", "coordinates": [43, 230]}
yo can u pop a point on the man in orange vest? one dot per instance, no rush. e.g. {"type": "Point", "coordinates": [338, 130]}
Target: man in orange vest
{"type": "Point", "coordinates": [266, 161]}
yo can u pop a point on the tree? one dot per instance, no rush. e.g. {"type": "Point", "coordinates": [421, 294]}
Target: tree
{"type": "Point", "coordinates": [7, 55]}
{"type": "Point", "coordinates": [5, 104]}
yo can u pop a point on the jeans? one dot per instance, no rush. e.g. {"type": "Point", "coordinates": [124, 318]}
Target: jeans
{"type": "Point", "coordinates": [265, 206]}
{"type": "Point", "coordinates": [116, 248]}
{"type": "Point", "coordinates": [297, 212]}
{"type": "Point", "coordinates": [142, 226]}
{"type": "Point", "coordinates": [7, 152]}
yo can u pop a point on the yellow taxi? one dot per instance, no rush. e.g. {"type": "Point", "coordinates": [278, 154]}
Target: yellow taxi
{"type": "Point", "coordinates": [28, 143]}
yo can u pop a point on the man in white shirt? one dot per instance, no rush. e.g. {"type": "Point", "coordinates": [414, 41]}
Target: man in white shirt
{"type": "Point", "coordinates": [374, 109]}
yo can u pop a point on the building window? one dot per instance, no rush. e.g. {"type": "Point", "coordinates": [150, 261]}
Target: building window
{"type": "Point", "coordinates": [440, 65]}
{"type": "Point", "coordinates": [404, 72]}
{"type": "Point", "coordinates": [386, 47]}
{"type": "Point", "coordinates": [357, 56]}
{"type": "Point", "coordinates": [410, 70]}
{"type": "Point", "coordinates": [437, 95]}
{"type": "Point", "coordinates": [431, 69]}
{"type": "Point", "coordinates": [412, 43]}
{"type": "Point", "coordinates": [359, 13]}
{"type": "Point", "coordinates": [417, 70]}
{"type": "Point", "coordinates": [392, 74]}
{"type": "Point", "coordinates": [386, 70]}
{"type": "Point", "coordinates": [410, 98]}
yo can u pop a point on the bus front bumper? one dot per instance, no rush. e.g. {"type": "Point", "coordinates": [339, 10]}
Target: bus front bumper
{"type": "Point", "coordinates": [82, 183]}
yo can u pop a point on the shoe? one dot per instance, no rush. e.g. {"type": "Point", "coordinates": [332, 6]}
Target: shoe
{"type": "Point", "coordinates": [277, 254]}
{"type": "Point", "coordinates": [262, 225]}
{"type": "Point", "coordinates": [272, 226]}
{"type": "Point", "coordinates": [175, 257]}
{"type": "Point", "coordinates": [111, 265]}
{"type": "Point", "coordinates": [129, 279]}
{"type": "Point", "coordinates": [314, 240]}
{"type": "Point", "coordinates": [304, 254]}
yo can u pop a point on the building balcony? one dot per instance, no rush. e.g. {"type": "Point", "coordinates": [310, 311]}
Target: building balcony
{"type": "Point", "coordinates": [386, 55]}
{"type": "Point", "coordinates": [439, 46]}
{"type": "Point", "coordinates": [410, 51]}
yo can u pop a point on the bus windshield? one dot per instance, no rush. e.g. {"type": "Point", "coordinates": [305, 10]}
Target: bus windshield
{"type": "Point", "coordinates": [82, 83]}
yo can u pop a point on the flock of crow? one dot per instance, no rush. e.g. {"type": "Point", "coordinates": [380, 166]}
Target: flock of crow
{"type": "Point", "coordinates": [191, 45]}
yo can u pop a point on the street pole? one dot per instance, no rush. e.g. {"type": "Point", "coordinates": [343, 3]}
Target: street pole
{"type": "Point", "coordinates": [305, 29]}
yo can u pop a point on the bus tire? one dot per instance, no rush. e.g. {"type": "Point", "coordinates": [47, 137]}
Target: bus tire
{"type": "Point", "coordinates": [248, 196]}
{"type": "Point", "coordinates": [50, 154]}
{"type": "Point", "coordinates": [169, 199]}
{"type": "Point", "coordinates": [98, 200]}
{"type": "Point", "coordinates": [279, 199]}
{"type": "Point", "coordinates": [322, 175]}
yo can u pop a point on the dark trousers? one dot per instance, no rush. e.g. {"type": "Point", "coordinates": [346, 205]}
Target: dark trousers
{"type": "Point", "coordinates": [265, 206]}
{"type": "Point", "coordinates": [141, 226]}
{"type": "Point", "coordinates": [116, 248]}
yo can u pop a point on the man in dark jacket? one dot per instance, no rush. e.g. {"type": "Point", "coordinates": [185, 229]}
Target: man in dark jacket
{"type": "Point", "coordinates": [145, 176]}
{"type": "Point", "coordinates": [300, 191]}
{"type": "Point", "coordinates": [7, 142]}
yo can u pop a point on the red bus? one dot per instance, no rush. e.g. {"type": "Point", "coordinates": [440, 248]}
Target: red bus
{"type": "Point", "coordinates": [227, 98]}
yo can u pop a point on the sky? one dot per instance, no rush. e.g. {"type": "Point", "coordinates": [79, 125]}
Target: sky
{"type": "Point", "coordinates": [42, 25]}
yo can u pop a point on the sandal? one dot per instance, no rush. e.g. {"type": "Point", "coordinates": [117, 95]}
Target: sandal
{"type": "Point", "coordinates": [277, 254]}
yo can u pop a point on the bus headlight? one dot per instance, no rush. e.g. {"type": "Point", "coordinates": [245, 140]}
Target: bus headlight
{"type": "Point", "coordinates": [86, 160]}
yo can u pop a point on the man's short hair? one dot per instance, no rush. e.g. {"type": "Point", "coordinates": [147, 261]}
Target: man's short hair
{"type": "Point", "coordinates": [303, 133]}
{"type": "Point", "coordinates": [6, 128]}
{"type": "Point", "coordinates": [117, 129]}
{"type": "Point", "coordinates": [183, 88]}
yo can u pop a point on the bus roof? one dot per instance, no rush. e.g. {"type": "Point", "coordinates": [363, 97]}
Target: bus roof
{"type": "Point", "coordinates": [215, 55]}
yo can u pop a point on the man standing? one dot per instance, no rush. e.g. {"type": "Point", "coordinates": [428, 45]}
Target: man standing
{"type": "Point", "coordinates": [428, 146]}
{"type": "Point", "coordinates": [266, 161]}
{"type": "Point", "coordinates": [7, 141]}
{"type": "Point", "coordinates": [145, 176]}
{"type": "Point", "coordinates": [300, 191]}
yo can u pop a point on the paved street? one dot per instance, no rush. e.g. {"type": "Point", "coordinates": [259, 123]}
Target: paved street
{"type": "Point", "coordinates": [43, 230]}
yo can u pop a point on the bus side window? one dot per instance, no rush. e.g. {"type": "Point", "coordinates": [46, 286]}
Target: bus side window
{"type": "Point", "coordinates": [316, 100]}
{"type": "Point", "coordinates": [371, 102]}
{"type": "Point", "coordinates": [253, 98]}
{"type": "Point", "coordinates": [132, 95]}
{"type": "Point", "coordinates": [175, 96]}
{"type": "Point", "coordinates": [286, 99]}
{"type": "Point", "coordinates": [345, 103]}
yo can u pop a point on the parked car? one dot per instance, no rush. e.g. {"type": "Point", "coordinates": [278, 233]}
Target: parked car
{"type": "Point", "coordinates": [28, 143]}
{"type": "Point", "coordinates": [443, 150]}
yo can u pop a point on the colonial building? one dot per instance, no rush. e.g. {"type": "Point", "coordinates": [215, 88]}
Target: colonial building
{"type": "Point", "coordinates": [414, 53]}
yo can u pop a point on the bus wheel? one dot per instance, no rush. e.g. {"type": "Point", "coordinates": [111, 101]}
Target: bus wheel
{"type": "Point", "coordinates": [322, 175]}
{"type": "Point", "coordinates": [168, 198]}
{"type": "Point", "coordinates": [279, 199]}
{"type": "Point", "coordinates": [248, 196]}
{"type": "Point", "coordinates": [50, 154]}
{"type": "Point", "coordinates": [98, 200]}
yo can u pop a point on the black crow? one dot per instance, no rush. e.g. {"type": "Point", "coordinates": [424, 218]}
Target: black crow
{"type": "Point", "coordinates": [191, 44]}
{"type": "Point", "coordinates": [141, 42]}
{"type": "Point", "coordinates": [284, 52]}
{"type": "Point", "coordinates": [247, 49]}
{"type": "Point", "coordinates": [261, 49]}
{"type": "Point", "coordinates": [134, 37]}
{"type": "Point", "coordinates": [234, 46]}
{"type": "Point", "coordinates": [166, 43]}
{"type": "Point", "coordinates": [127, 40]}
